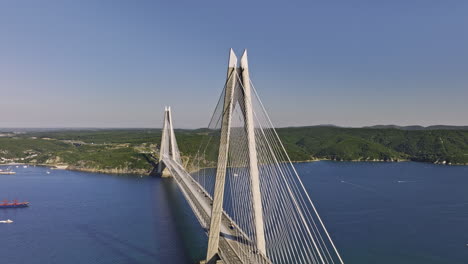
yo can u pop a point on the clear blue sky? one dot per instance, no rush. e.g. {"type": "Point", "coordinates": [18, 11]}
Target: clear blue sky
{"type": "Point", "coordinates": [117, 63]}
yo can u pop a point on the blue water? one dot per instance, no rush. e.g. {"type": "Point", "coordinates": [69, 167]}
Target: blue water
{"type": "Point", "coordinates": [392, 212]}
{"type": "Point", "coordinates": [376, 212]}
{"type": "Point", "coordinates": [77, 217]}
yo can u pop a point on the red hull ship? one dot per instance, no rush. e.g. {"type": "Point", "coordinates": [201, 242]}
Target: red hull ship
{"type": "Point", "coordinates": [14, 204]}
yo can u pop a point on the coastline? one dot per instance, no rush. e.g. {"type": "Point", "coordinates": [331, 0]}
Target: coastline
{"type": "Point", "coordinates": [144, 172]}
{"type": "Point", "coordinates": [74, 168]}
{"type": "Point", "coordinates": [382, 160]}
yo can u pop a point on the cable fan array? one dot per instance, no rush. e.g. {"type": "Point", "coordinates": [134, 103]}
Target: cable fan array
{"type": "Point", "coordinates": [294, 232]}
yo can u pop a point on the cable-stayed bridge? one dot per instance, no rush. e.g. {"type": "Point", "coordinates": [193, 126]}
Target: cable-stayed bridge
{"type": "Point", "coordinates": [242, 186]}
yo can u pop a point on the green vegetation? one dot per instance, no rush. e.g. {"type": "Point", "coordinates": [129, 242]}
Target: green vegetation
{"type": "Point", "coordinates": [439, 146]}
{"type": "Point", "coordinates": [113, 151]}
{"type": "Point", "coordinates": [136, 150]}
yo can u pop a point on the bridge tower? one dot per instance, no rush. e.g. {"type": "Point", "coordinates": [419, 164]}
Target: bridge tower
{"type": "Point", "coordinates": [237, 90]}
{"type": "Point", "coordinates": [168, 147]}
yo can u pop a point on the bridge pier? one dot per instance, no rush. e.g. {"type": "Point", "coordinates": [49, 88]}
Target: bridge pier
{"type": "Point", "coordinates": [166, 174]}
{"type": "Point", "coordinates": [162, 171]}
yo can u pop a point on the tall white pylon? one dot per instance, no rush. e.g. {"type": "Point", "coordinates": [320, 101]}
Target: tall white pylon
{"type": "Point", "coordinates": [232, 88]}
{"type": "Point", "coordinates": [253, 163]}
{"type": "Point", "coordinates": [168, 147]}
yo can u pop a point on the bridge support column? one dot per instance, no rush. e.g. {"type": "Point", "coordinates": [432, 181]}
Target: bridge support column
{"type": "Point", "coordinates": [162, 171]}
{"type": "Point", "coordinates": [253, 162]}
{"type": "Point", "coordinates": [217, 210]}
{"type": "Point", "coordinates": [236, 93]}
{"type": "Point", "coordinates": [171, 133]}
{"type": "Point", "coordinates": [168, 148]}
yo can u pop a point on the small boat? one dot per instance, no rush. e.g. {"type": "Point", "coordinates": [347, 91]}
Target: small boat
{"type": "Point", "coordinates": [17, 166]}
{"type": "Point", "coordinates": [48, 172]}
{"type": "Point", "coordinates": [14, 204]}
{"type": "Point", "coordinates": [8, 221]}
{"type": "Point", "coordinates": [7, 172]}
{"type": "Point", "coordinates": [25, 166]}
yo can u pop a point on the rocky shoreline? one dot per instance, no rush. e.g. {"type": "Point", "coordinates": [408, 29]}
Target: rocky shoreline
{"type": "Point", "coordinates": [111, 170]}
{"type": "Point", "coordinates": [85, 169]}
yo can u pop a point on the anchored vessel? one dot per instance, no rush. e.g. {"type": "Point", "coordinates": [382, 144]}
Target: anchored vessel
{"type": "Point", "coordinates": [7, 171]}
{"type": "Point", "coordinates": [14, 204]}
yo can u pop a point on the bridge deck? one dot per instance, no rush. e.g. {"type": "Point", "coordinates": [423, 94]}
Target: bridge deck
{"type": "Point", "coordinates": [230, 249]}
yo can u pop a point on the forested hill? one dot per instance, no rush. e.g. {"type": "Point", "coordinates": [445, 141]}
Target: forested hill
{"type": "Point", "coordinates": [134, 150]}
{"type": "Point", "coordinates": [438, 145]}
{"type": "Point", "coordinates": [416, 127]}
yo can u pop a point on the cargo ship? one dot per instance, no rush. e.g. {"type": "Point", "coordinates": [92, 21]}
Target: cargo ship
{"type": "Point", "coordinates": [14, 204]}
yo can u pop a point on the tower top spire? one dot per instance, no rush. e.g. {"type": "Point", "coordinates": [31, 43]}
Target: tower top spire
{"type": "Point", "coordinates": [232, 59]}
{"type": "Point", "coordinates": [244, 63]}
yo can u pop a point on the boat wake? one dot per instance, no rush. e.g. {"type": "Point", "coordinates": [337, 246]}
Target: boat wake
{"type": "Point", "coordinates": [405, 181]}
{"type": "Point", "coordinates": [361, 187]}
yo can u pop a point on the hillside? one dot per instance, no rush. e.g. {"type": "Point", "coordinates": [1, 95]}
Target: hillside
{"type": "Point", "coordinates": [438, 146]}
{"type": "Point", "coordinates": [417, 127]}
{"type": "Point", "coordinates": [135, 150]}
